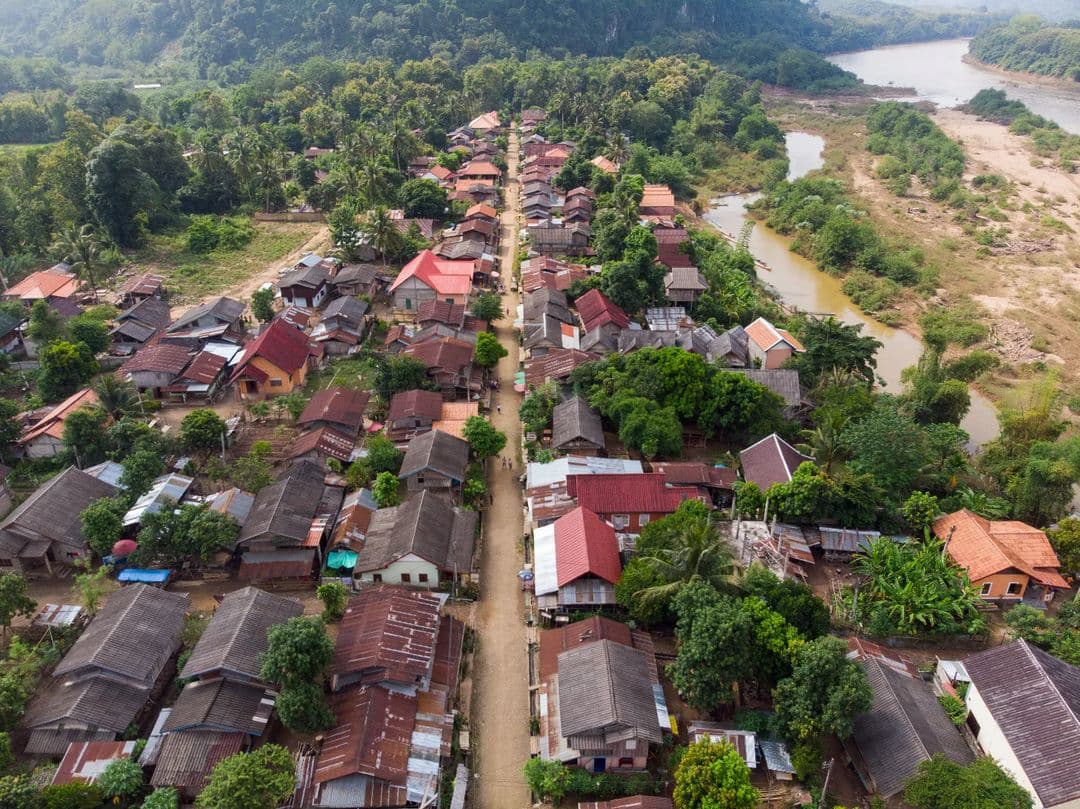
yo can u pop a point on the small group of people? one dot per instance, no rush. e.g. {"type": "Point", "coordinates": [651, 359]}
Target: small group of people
{"type": "Point", "coordinates": [507, 462]}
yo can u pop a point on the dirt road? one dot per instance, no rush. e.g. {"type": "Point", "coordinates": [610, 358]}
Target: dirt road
{"type": "Point", "coordinates": [500, 719]}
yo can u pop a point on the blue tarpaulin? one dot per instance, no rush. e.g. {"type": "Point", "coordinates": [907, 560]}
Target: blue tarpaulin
{"type": "Point", "coordinates": [342, 559]}
{"type": "Point", "coordinates": [144, 576]}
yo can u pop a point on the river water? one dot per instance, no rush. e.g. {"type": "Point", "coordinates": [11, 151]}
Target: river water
{"type": "Point", "coordinates": [800, 283]}
{"type": "Point", "coordinates": [937, 73]}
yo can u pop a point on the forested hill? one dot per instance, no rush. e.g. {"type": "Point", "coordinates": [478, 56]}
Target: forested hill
{"type": "Point", "coordinates": [1029, 45]}
{"type": "Point", "coordinates": [213, 34]}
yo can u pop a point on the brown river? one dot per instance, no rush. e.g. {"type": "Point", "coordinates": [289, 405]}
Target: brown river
{"type": "Point", "coordinates": [800, 283]}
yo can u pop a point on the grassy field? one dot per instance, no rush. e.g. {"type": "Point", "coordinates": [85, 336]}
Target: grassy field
{"type": "Point", "coordinates": [355, 372]}
{"type": "Point", "coordinates": [190, 276]}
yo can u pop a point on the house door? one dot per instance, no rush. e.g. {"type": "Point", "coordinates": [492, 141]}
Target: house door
{"type": "Point", "coordinates": [599, 764]}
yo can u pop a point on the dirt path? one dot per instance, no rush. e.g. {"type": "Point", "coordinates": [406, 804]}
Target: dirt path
{"type": "Point", "coordinates": [500, 720]}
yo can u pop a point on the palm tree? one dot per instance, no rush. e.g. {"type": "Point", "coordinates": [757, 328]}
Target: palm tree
{"type": "Point", "coordinates": [618, 149]}
{"type": "Point", "coordinates": [992, 508]}
{"type": "Point", "coordinates": [823, 443]}
{"type": "Point", "coordinates": [381, 232]}
{"type": "Point", "coordinates": [268, 167]}
{"type": "Point", "coordinates": [81, 249]}
{"type": "Point", "coordinates": [115, 396]}
{"type": "Point", "coordinates": [402, 144]}
{"type": "Point", "coordinates": [374, 180]}
{"type": "Point", "coordinates": [695, 551]}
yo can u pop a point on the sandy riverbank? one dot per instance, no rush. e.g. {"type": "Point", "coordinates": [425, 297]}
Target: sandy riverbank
{"type": "Point", "coordinates": [1018, 75]}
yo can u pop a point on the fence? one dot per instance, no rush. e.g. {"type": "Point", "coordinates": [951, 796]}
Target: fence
{"type": "Point", "coordinates": [291, 216]}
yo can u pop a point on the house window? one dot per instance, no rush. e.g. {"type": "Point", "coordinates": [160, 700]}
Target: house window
{"type": "Point", "coordinates": [973, 724]}
{"type": "Point", "coordinates": [643, 520]}
{"type": "Point", "coordinates": [620, 521]}
{"type": "Point", "coordinates": [6, 563]}
{"type": "Point", "coordinates": [408, 303]}
{"type": "Point", "coordinates": [1013, 589]}
{"type": "Point", "coordinates": [987, 587]}
{"type": "Point", "coordinates": [406, 578]}
{"type": "Point", "coordinates": [626, 761]}
{"type": "Point", "coordinates": [422, 577]}
{"type": "Point", "coordinates": [377, 578]}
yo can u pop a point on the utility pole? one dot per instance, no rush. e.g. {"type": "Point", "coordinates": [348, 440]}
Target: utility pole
{"type": "Point", "coordinates": [825, 786]}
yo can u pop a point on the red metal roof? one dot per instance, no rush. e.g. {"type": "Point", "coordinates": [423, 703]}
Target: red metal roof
{"type": "Point", "coordinates": [337, 405]}
{"type": "Point", "coordinates": [204, 368]}
{"type": "Point", "coordinates": [597, 310]}
{"type": "Point", "coordinates": [444, 276]}
{"type": "Point", "coordinates": [627, 494]}
{"type": "Point", "coordinates": [85, 761]}
{"type": "Point", "coordinates": [585, 545]}
{"type": "Point", "coordinates": [279, 344]}
{"type": "Point", "coordinates": [387, 634]}
{"type": "Point", "coordinates": [372, 737]}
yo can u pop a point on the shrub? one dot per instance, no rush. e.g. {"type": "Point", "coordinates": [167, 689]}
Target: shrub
{"type": "Point", "coordinates": [208, 233]}
{"type": "Point", "coordinates": [954, 707]}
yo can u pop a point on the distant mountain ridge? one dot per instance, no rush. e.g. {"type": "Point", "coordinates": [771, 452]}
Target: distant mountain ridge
{"type": "Point", "coordinates": [211, 34]}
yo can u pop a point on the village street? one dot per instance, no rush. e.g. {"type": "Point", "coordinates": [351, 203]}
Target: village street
{"type": "Point", "coordinates": [500, 718]}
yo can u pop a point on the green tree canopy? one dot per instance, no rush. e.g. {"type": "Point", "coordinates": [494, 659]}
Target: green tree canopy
{"type": "Point", "coordinates": [297, 652]}
{"type": "Point", "coordinates": [262, 304]}
{"type": "Point", "coordinates": [488, 350]}
{"type": "Point", "coordinates": [202, 430]}
{"type": "Point", "coordinates": [189, 531]}
{"type": "Point", "coordinates": [14, 599]}
{"type": "Point", "coordinates": [824, 693]}
{"type": "Point", "coordinates": [484, 440]}
{"type": "Point", "coordinates": [487, 306]}
{"type": "Point", "coordinates": [982, 784]}
{"type": "Point", "coordinates": [260, 779]}
{"type": "Point", "coordinates": [65, 367]}
{"type": "Point", "coordinates": [85, 435]}
{"type": "Point", "coordinates": [713, 776]}
{"type": "Point", "coordinates": [832, 345]}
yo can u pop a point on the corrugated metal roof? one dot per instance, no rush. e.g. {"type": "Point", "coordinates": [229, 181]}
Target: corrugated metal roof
{"type": "Point", "coordinates": [169, 488]}
{"type": "Point", "coordinates": [628, 494]}
{"type": "Point", "coordinates": [585, 546]}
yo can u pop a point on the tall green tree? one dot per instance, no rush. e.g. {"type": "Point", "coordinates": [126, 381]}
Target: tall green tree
{"type": "Point", "coordinates": [65, 367]}
{"type": "Point", "coordinates": [831, 345]}
{"type": "Point", "coordinates": [484, 440]}
{"type": "Point", "coordinates": [81, 248]}
{"type": "Point", "coordinates": [14, 599]}
{"type": "Point", "coordinates": [824, 693]}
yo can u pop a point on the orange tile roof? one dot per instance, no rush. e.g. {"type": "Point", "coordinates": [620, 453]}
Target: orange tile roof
{"type": "Point", "coordinates": [604, 165]}
{"type": "Point", "coordinates": [453, 417]}
{"type": "Point", "coordinates": [657, 196]}
{"type": "Point", "coordinates": [44, 284]}
{"type": "Point", "coordinates": [53, 422]}
{"type": "Point", "coordinates": [984, 547]}
{"type": "Point", "coordinates": [766, 335]}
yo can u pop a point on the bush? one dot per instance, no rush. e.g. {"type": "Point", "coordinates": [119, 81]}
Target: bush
{"type": "Point", "coordinates": [208, 233]}
{"type": "Point", "coordinates": [954, 707]}
{"type": "Point", "coordinates": [75, 795]}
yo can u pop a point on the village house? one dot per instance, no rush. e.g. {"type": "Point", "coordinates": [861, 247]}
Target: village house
{"type": "Point", "coordinates": [342, 326]}
{"type": "Point", "coordinates": [217, 319]}
{"type": "Point", "coordinates": [305, 286]}
{"type": "Point", "coordinates": [605, 165]}
{"type": "Point", "coordinates": [904, 726]}
{"type": "Point", "coordinates": [576, 428]}
{"type": "Point", "coordinates": [136, 325]}
{"type": "Point", "coordinates": [439, 174]}
{"type": "Point", "coordinates": [456, 315]}
{"type": "Point", "coordinates": [544, 303]}
{"type": "Point", "coordinates": [44, 530]}
{"type": "Point", "coordinates": [770, 346]}
{"type": "Point", "coordinates": [598, 312]}
{"type": "Point", "coordinates": [139, 288]}
{"type": "Point", "coordinates": [601, 703]}
{"type": "Point", "coordinates": [154, 367]}
{"type": "Point", "coordinates": [545, 483]}
{"type": "Point", "coordinates": [484, 123]}
{"type": "Point", "coordinates": [628, 502]}
{"type": "Point", "coordinates": [420, 543]}
{"type": "Point", "coordinates": [449, 364]}
{"type": "Point", "coordinates": [56, 286]}
{"type": "Point", "coordinates": [1024, 712]}
{"type": "Point", "coordinates": [715, 484]}
{"type": "Point", "coordinates": [684, 285]}
{"type": "Point", "coordinates": [283, 535]}
{"type": "Point", "coordinates": [321, 444]}
{"type": "Point", "coordinates": [44, 437]}
{"type": "Point", "coordinates": [731, 348]}
{"type": "Point", "coordinates": [274, 363]}
{"type": "Point", "coordinates": [435, 460]}
{"type": "Point", "coordinates": [544, 271]}
{"type": "Point", "coordinates": [578, 209]}
{"type": "Point", "coordinates": [1004, 559]}
{"type": "Point", "coordinates": [394, 671]}
{"type": "Point", "coordinates": [84, 762]}
{"type": "Point", "coordinates": [11, 334]}
{"type": "Point", "coordinates": [770, 460]}
{"type": "Point", "coordinates": [428, 277]}
{"type": "Point", "coordinates": [577, 563]}
{"type": "Point", "coordinates": [166, 490]}
{"type": "Point", "coordinates": [657, 204]}
{"type": "Point", "coordinates": [120, 662]}
{"type": "Point", "coordinates": [225, 707]}
{"type": "Point", "coordinates": [355, 280]}
{"type": "Point", "coordinates": [557, 240]}
{"type": "Point", "coordinates": [549, 334]}
{"type": "Point", "coordinates": [411, 413]}
{"type": "Point", "coordinates": [784, 382]}
{"type": "Point", "coordinates": [557, 364]}
{"type": "Point", "coordinates": [339, 408]}
{"type": "Point", "coordinates": [205, 377]}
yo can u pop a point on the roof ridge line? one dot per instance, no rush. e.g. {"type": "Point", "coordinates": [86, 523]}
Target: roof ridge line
{"type": "Point", "coordinates": [1050, 681]}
